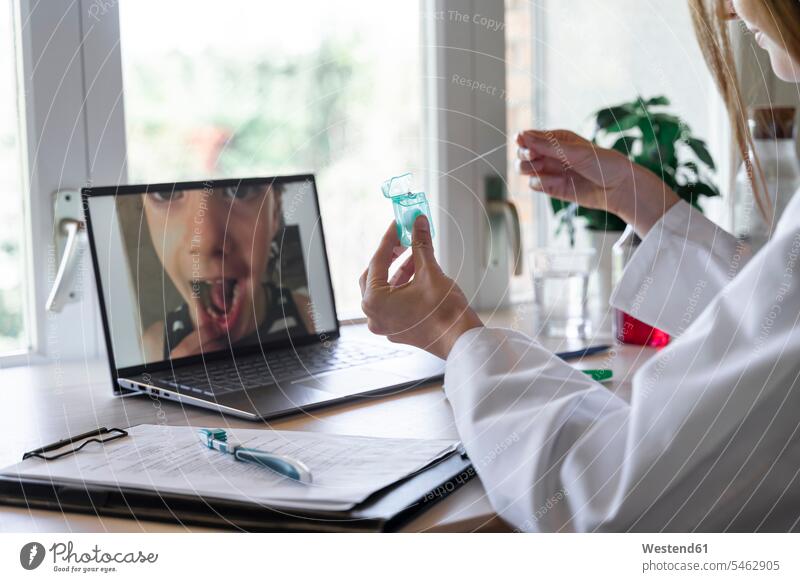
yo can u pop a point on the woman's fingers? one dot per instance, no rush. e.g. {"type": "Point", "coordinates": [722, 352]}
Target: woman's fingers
{"type": "Point", "coordinates": [403, 274]}
{"type": "Point", "coordinates": [561, 187]}
{"type": "Point", "coordinates": [362, 281]}
{"type": "Point", "coordinates": [525, 154]}
{"type": "Point", "coordinates": [552, 136]}
{"type": "Point", "coordinates": [557, 144]}
{"type": "Point", "coordinates": [540, 166]}
{"type": "Point", "coordinates": [422, 244]}
{"type": "Point", "coordinates": [569, 149]}
{"type": "Point", "coordinates": [377, 273]}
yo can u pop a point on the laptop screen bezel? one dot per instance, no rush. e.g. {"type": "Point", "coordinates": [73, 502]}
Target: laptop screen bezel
{"type": "Point", "coordinates": [236, 351]}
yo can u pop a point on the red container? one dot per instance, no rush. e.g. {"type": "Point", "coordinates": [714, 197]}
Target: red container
{"type": "Point", "coordinates": [627, 328]}
{"type": "Point", "coordinates": [630, 330]}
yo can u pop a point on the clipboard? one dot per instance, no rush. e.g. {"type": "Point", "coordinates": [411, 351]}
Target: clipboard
{"type": "Point", "coordinates": [385, 510]}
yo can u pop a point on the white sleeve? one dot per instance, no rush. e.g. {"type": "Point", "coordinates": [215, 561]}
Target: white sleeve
{"type": "Point", "coordinates": [709, 440]}
{"type": "Point", "coordinates": [680, 266]}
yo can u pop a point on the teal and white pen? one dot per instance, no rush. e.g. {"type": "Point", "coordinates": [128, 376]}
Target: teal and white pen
{"type": "Point", "coordinates": [217, 439]}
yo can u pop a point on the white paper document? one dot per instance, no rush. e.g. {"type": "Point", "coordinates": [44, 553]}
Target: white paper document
{"type": "Point", "coordinates": [171, 459]}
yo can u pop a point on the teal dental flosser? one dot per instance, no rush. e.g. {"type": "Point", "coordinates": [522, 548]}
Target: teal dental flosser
{"type": "Point", "coordinates": [407, 205]}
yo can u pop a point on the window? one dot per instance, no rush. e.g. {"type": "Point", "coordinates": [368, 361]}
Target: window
{"type": "Point", "coordinates": [248, 88]}
{"type": "Point", "coordinates": [252, 89]}
{"type": "Point", "coordinates": [13, 283]}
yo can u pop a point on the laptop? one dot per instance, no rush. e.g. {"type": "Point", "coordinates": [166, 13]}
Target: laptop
{"type": "Point", "coordinates": [218, 294]}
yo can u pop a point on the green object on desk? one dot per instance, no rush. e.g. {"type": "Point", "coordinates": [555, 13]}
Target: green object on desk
{"type": "Point", "coordinates": [599, 375]}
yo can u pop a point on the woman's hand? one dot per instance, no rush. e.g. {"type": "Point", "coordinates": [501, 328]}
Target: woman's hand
{"type": "Point", "coordinates": [566, 166]}
{"type": "Point", "coordinates": [420, 305]}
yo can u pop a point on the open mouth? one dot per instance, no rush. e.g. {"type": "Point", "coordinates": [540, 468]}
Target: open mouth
{"type": "Point", "coordinates": [220, 299]}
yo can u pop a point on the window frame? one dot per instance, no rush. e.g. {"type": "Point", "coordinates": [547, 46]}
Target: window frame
{"type": "Point", "coordinates": [30, 321]}
{"type": "Point", "coordinates": [463, 125]}
{"type": "Point", "coordinates": [49, 58]}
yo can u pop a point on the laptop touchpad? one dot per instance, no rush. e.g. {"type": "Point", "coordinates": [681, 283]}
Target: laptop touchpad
{"type": "Point", "coordinates": [353, 381]}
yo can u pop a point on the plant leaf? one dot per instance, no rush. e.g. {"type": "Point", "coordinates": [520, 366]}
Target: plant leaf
{"type": "Point", "coordinates": [625, 144]}
{"type": "Point", "coordinates": [668, 132]}
{"type": "Point", "coordinates": [648, 130]}
{"type": "Point", "coordinates": [623, 124]}
{"type": "Point", "coordinates": [658, 100]}
{"type": "Point", "coordinates": [703, 189]}
{"type": "Point", "coordinates": [691, 166]}
{"type": "Point", "coordinates": [692, 191]}
{"type": "Point", "coordinates": [610, 115]}
{"type": "Point", "coordinates": [687, 193]}
{"type": "Point", "coordinates": [645, 159]}
{"type": "Point", "coordinates": [558, 205]}
{"type": "Point", "coordinates": [664, 119]}
{"type": "Point", "coordinates": [601, 220]}
{"type": "Point", "coordinates": [699, 148]}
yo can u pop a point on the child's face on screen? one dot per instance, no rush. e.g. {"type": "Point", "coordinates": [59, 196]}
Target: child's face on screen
{"type": "Point", "coordinates": [215, 245]}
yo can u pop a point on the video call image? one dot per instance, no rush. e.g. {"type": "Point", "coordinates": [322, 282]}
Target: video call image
{"type": "Point", "coordinates": [213, 268]}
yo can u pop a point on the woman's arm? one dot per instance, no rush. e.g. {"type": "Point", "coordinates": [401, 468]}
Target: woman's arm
{"type": "Point", "coordinates": [709, 440]}
{"type": "Point", "coordinates": [684, 261]}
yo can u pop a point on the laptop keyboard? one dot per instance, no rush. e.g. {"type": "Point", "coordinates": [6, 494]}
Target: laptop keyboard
{"type": "Point", "coordinates": [224, 377]}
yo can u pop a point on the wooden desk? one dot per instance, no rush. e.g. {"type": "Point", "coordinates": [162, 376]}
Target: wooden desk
{"type": "Point", "coordinates": [42, 404]}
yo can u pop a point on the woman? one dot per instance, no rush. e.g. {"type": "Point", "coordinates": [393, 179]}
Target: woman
{"type": "Point", "coordinates": [711, 437]}
{"type": "Point", "coordinates": [218, 246]}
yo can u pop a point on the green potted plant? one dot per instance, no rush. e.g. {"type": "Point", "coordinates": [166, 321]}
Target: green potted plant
{"type": "Point", "coordinates": [657, 140]}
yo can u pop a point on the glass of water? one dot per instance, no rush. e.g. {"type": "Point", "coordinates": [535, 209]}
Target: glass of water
{"type": "Point", "coordinates": [561, 291]}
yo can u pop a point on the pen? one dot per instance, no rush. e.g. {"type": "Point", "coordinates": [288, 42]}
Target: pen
{"type": "Point", "coordinates": [217, 439]}
{"type": "Point", "coordinates": [582, 352]}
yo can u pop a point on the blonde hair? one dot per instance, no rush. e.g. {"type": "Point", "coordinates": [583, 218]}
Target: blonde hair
{"type": "Point", "coordinates": [780, 20]}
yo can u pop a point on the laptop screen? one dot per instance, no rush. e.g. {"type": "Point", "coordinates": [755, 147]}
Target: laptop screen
{"type": "Point", "coordinates": [191, 269]}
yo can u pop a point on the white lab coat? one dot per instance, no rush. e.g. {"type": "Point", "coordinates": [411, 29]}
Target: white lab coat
{"type": "Point", "coordinates": [710, 440]}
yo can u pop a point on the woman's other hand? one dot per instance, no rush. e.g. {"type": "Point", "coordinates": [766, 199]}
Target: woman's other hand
{"type": "Point", "coordinates": [420, 305]}
{"type": "Point", "coordinates": [566, 166]}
